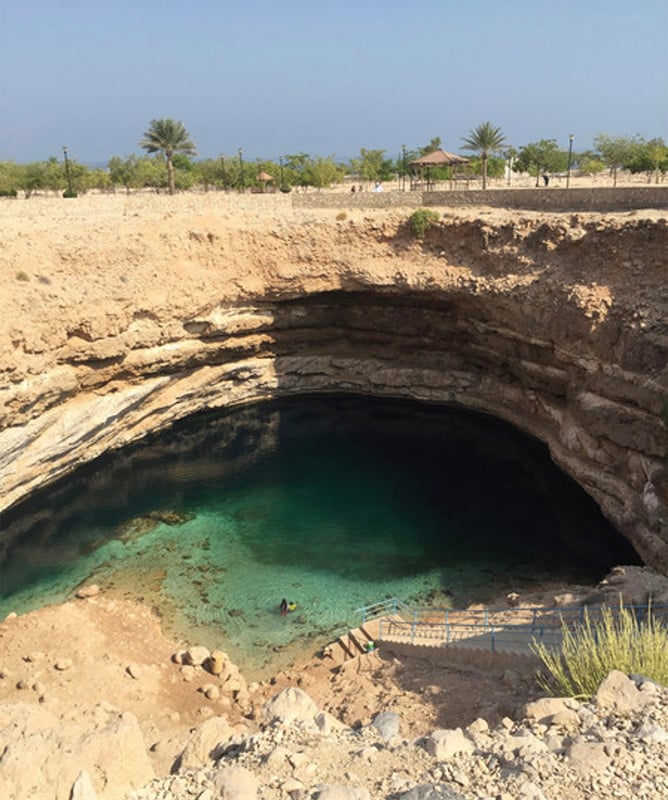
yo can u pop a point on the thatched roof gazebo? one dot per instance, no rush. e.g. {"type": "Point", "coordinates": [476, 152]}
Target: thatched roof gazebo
{"type": "Point", "coordinates": [437, 158]}
{"type": "Point", "coordinates": [264, 179]}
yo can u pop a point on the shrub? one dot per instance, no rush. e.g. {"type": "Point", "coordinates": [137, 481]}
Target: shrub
{"type": "Point", "coordinates": [7, 192]}
{"type": "Point", "coordinates": [22, 276]}
{"type": "Point", "coordinates": [286, 189]}
{"type": "Point", "coordinates": [421, 220]}
{"type": "Point", "coordinates": [68, 193]}
{"type": "Point", "coordinates": [589, 652]}
{"type": "Point", "coordinates": [341, 216]}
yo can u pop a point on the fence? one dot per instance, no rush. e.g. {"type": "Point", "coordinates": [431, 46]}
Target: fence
{"type": "Point", "coordinates": [491, 628]}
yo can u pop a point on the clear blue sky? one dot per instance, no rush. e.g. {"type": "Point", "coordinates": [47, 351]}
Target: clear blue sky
{"type": "Point", "coordinates": [283, 76]}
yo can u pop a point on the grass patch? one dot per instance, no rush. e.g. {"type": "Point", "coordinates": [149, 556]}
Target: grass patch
{"type": "Point", "coordinates": [421, 220]}
{"type": "Point", "coordinates": [614, 641]}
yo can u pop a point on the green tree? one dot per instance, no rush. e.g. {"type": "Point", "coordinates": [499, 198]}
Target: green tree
{"type": "Point", "coordinates": [168, 136]}
{"type": "Point", "coordinates": [295, 169]}
{"type": "Point", "coordinates": [588, 163]}
{"type": "Point", "coordinates": [495, 166]}
{"type": "Point", "coordinates": [541, 157]}
{"type": "Point", "coordinates": [484, 139]}
{"type": "Point", "coordinates": [616, 151]}
{"type": "Point", "coordinates": [370, 165]}
{"type": "Point", "coordinates": [323, 172]}
{"type": "Point", "coordinates": [650, 157]}
{"type": "Point", "coordinates": [124, 171]}
{"type": "Point", "coordinates": [12, 178]}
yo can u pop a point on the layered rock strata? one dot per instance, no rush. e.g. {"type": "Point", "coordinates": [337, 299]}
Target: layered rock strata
{"type": "Point", "coordinates": [127, 322]}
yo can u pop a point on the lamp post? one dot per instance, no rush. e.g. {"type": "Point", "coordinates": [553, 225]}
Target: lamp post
{"type": "Point", "coordinates": [241, 170]}
{"type": "Point", "coordinates": [70, 191]}
{"type": "Point", "coordinates": [403, 168]}
{"type": "Point", "coordinates": [570, 160]}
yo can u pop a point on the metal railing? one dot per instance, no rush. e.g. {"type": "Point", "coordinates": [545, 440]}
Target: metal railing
{"type": "Point", "coordinates": [491, 628]}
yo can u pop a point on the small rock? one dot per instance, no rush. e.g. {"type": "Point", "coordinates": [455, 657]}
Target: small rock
{"type": "Point", "coordinates": [134, 671]}
{"type": "Point", "coordinates": [430, 791]}
{"type": "Point", "coordinates": [337, 792]}
{"type": "Point", "coordinates": [648, 732]}
{"type": "Point", "coordinates": [64, 664]}
{"type": "Point", "coordinates": [88, 591]}
{"type": "Point", "coordinates": [35, 656]}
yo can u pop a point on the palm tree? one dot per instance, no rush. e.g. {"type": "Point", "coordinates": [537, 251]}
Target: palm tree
{"type": "Point", "coordinates": [485, 139]}
{"type": "Point", "coordinates": [168, 136]}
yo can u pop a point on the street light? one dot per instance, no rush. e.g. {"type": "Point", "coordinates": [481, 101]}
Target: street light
{"type": "Point", "coordinates": [241, 169]}
{"type": "Point", "coordinates": [403, 170]}
{"type": "Point", "coordinates": [70, 191]}
{"type": "Point", "coordinates": [570, 160]}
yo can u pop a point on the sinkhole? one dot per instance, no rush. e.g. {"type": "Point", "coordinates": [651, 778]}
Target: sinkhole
{"type": "Point", "coordinates": [331, 502]}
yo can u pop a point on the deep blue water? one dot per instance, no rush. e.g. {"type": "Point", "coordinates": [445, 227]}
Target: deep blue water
{"type": "Point", "coordinates": [331, 502]}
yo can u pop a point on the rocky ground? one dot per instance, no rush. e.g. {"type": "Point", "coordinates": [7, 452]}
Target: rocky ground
{"type": "Point", "coordinates": [93, 695]}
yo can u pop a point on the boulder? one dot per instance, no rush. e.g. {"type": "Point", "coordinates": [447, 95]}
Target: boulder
{"type": "Point", "coordinates": [204, 743]}
{"type": "Point", "coordinates": [620, 694]}
{"type": "Point", "coordinates": [107, 744]}
{"type": "Point", "coordinates": [327, 723]}
{"type": "Point", "coordinates": [216, 662]}
{"type": "Point", "coordinates": [196, 656]}
{"type": "Point", "coordinates": [544, 709]}
{"type": "Point", "coordinates": [387, 723]}
{"type": "Point", "coordinates": [235, 783]}
{"type": "Point", "coordinates": [83, 787]}
{"type": "Point", "coordinates": [445, 743]}
{"type": "Point", "coordinates": [586, 758]}
{"type": "Point", "coordinates": [289, 705]}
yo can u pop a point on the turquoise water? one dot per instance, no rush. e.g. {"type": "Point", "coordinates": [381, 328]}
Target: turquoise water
{"type": "Point", "coordinates": [332, 503]}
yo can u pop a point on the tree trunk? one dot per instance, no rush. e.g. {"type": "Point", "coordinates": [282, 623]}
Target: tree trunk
{"type": "Point", "coordinates": [484, 171]}
{"type": "Point", "coordinates": [170, 174]}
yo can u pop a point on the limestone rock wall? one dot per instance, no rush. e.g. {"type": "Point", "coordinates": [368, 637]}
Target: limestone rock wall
{"type": "Point", "coordinates": [554, 325]}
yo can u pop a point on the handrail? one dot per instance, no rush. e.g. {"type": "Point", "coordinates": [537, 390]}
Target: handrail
{"type": "Point", "coordinates": [541, 624]}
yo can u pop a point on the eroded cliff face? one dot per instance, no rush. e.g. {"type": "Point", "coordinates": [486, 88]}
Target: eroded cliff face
{"type": "Point", "coordinates": [138, 316]}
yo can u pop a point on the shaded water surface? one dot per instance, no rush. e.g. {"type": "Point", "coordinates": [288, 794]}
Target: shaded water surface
{"type": "Point", "coordinates": [333, 502]}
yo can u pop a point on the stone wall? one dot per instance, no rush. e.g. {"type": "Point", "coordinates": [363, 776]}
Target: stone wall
{"type": "Point", "coordinates": [545, 199]}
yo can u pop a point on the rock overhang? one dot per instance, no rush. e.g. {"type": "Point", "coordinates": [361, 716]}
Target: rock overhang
{"type": "Point", "coordinates": [531, 324]}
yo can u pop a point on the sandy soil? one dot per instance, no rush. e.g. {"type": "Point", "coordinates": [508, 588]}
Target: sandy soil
{"type": "Point", "coordinates": [72, 656]}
